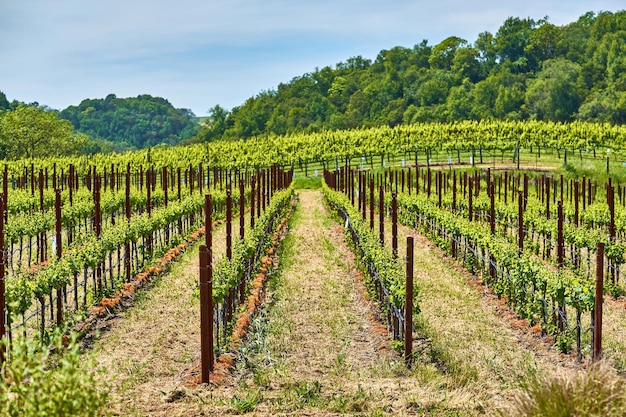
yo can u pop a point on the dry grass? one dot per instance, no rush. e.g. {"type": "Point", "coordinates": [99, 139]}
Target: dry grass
{"type": "Point", "coordinates": [148, 348]}
{"type": "Point", "coordinates": [317, 349]}
{"type": "Point", "coordinates": [597, 391]}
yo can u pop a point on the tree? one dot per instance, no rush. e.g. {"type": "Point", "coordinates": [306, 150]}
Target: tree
{"type": "Point", "coordinates": [443, 53]}
{"type": "Point", "coordinates": [466, 64]}
{"type": "Point", "coordinates": [4, 103]}
{"type": "Point", "coordinates": [542, 43]}
{"type": "Point", "coordinates": [215, 125]}
{"type": "Point", "coordinates": [30, 132]}
{"type": "Point", "coordinates": [511, 39]}
{"type": "Point", "coordinates": [138, 122]}
{"type": "Point", "coordinates": [554, 94]}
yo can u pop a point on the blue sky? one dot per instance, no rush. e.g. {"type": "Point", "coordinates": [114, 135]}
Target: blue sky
{"type": "Point", "coordinates": [201, 53]}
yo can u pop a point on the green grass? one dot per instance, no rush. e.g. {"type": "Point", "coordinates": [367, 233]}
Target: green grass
{"type": "Point", "coordinates": [307, 183]}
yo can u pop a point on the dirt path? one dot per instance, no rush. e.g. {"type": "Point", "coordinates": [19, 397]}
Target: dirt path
{"type": "Point", "coordinates": [314, 349]}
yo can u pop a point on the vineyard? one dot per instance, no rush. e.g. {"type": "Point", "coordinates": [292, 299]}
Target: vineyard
{"type": "Point", "coordinates": [386, 271]}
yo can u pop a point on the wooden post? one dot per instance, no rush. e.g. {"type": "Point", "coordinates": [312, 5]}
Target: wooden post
{"type": "Point", "coordinates": [520, 220]}
{"type": "Point", "coordinates": [242, 210]}
{"type": "Point", "coordinates": [3, 317]}
{"type": "Point", "coordinates": [381, 215]}
{"type": "Point", "coordinates": [372, 208]}
{"type": "Point", "coordinates": [470, 205]}
{"type": "Point", "coordinates": [97, 227]}
{"type": "Point", "coordinates": [252, 200]}
{"type": "Point", "coordinates": [394, 224]}
{"type": "Point", "coordinates": [149, 205]}
{"type": "Point", "coordinates": [242, 198]}
{"type": "Point", "coordinates": [229, 225]}
{"type": "Point", "coordinates": [597, 311]}
{"type": "Point", "coordinates": [205, 314]}
{"type": "Point", "coordinates": [127, 254]}
{"type": "Point", "coordinates": [59, 251]}
{"type": "Point", "coordinates": [408, 320]}
{"type": "Point", "coordinates": [560, 246]}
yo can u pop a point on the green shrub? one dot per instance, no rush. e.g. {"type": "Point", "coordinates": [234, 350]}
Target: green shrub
{"type": "Point", "coordinates": [49, 381]}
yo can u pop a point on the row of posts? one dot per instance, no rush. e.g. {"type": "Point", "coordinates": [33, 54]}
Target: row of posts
{"type": "Point", "coordinates": [263, 187]}
{"type": "Point", "coordinates": [345, 181]}
{"type": "Point", "coordinates": [94, 182]}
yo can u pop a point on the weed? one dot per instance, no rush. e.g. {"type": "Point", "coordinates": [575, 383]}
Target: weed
{"type": "Point", "coordinates": [242, 405]}
{"type": "Point", "coordinates": [305, 392]}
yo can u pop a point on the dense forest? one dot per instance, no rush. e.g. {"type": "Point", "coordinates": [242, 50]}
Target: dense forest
{"type": "Point", "coordinates": [528, 69]}
{"type": "Point", "coordinates": [131, 123]}
{"type": "Point", "coordinates": [109, 124]}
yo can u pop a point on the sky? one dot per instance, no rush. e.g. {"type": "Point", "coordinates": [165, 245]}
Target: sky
{"type": "Point", "coordinates": [200, 53]}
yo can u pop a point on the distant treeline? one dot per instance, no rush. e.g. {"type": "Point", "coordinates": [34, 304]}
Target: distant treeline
{"type": "Point", "coordinates": [95, 125]}
{"type": "Point", "coordinates": [131, 123]}
{"type": "Point", "coordinates": [528, 69]}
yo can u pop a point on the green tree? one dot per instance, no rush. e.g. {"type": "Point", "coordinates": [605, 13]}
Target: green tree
{"type": "Point", "coordinates": [4, 103]}
{"type": "Point", "coordinates": [511, 40]}
{"type": "Point", "coordinates": [554, 94]}
{"type": "Point", "coordinates": [30, 132]}
{"type": "Point", "coordinates": [215, 126]}
{"type": "Point", "coordinates": [443, 53]}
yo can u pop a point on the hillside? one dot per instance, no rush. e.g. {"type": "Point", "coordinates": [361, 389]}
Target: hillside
{"type": "Point", "coordinates": [134, 122]}
{"type": "Point", "coordinates": [528, 69]}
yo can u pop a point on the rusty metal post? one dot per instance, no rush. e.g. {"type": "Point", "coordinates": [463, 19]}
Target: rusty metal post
{"type": "Point", "coordinates": [128, 214]}
{"type": "Point", "coordinates": [454, 192]}
{"type": "Point", "coordinates": [547, 198]}
{"type": "Point", "coordinates": [242, 210]}
{"type": "Point", "coordinates": [59, 251]}
{"type": "Point", "coordinates": [439, 188]}
{"type": "Point", "coordinates": [576, 201]}
{"type": "Point", "coordinates": [520, 220]}
{"type": "Point", "coordinates": [381, 215]}
{"type": "Point", "coordinates": [229, 225]}
{"type": "Point", "coordinates": [5, 191]}
{"type": "Point", "coordinates": [610, 199]}
{"type": "Point", "coordinates": [149, 206]}
{"type": "Point", "coordinates": [164, 185]}
{"type": "Point", "coordinates": [259, 185]}
{"type": "Point", "coordinates": [42, 236]}
{"type": "Point", "coordinates": [3, 317]}
{"type": "Point", "coordinates": [97, 227]}
{"type": "Point", "coordinates": [470, 203]}
{"type": "Point", "coordinates": [394, 224]}
{"type": "Point", "coordinates": [252, 198]}
{"type": "Point", "coordinates": [560, 245]}
{"type": "Point", "coordinates": [205, 314]}
{"type": "Point", "coordinates": [597, 311]}
{"type": "Point", "coordinates": [408, 319]}
{"type": "Point", "coordinates": [491, 190]}
{"type": "Point", "coordinates": [242, 219]}
{"type": "Point", "coordinates": [372, 204]}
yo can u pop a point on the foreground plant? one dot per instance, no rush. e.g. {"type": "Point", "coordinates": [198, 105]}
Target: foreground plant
{"type": "Point", "coordinates": [595, 392]}
{"type": "Point", "coordinates": [49, 381]}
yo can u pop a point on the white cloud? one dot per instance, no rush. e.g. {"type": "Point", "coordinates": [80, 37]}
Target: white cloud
{"type": "Point", "coordinates": [205, 52]}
